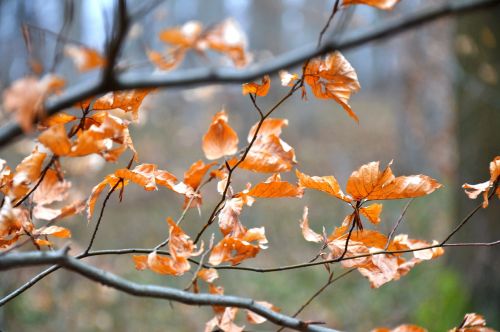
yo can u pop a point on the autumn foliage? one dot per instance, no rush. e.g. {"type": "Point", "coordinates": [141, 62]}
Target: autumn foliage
{"type": "Point", "coordinates": [36, 189]}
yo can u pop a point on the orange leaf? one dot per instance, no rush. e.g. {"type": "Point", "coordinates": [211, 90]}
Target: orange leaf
{"type": "Point", "coordinates": [380, 4]}
{"type": "Point", "coordinates": [229, 216]}
{"type": "Point", "coordinates": [474, 190]}
{"type": "Point", "coordinates": [110, 180]}
{"type": "Point", "coordinates": [166, 62]}
{"type": "Point", "coordinates": [274, 187]}
{"type": "Point", "coordinates": [58, 118]}
{"type": "Point", "coordinates": [372, 212]}
{"type": "Point", "coordinates": [220, 140]}
{"type": "Point", "coordinates": [46, 213]}
{"type": "Point", "coordinates": [327, 184]}
{"type": "Point", "coordinates": [368, 182]}
{"type": "Point", "coordinates": [196, 172]}
{"type": "Point", "coordinates": [269, 127]}
{"type": "Point", "coordinates": [269, 155]}
{"type": "Point", "coordinates": [51, 189]}
{"type": "Point", "coordinates": [25, 98]}
{"type": "Point", "coordinates": [128, 101]}
{"type": "Point", "coordinates": [208, 275]}
{"type": "Point", "coordinates": [27, 173]}
{"type": "Point", "coordinates": [56, 140]}
{"type": "Point", "coordinates": [228, 38]}
{"type": "Point", "coordinates": [141, 262]}
{"type": "Point", "coordinates": [85, 58]}
{"type": "Point", "coordinates": [333, 78]}
{"type": "Point", "coordinates": [143, 175]}
{"type": "Point", "coordinates": [307, 232]}
{"type": "Point", "coordinates": [260, 90]}
{"type": "Point", "coordinates": [240, 247]}
{"type": "Point", "coordinates": [56, 231]}
{"type": "Point", "coordinates": [184, 36]}
{"type": "Point", "coordinates": [472, 322]}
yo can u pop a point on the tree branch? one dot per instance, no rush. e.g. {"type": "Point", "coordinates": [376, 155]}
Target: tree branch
{"type": "Point", "coordinates": [61, 258]}
{"type": "Point", "coordinates": [202, 76]}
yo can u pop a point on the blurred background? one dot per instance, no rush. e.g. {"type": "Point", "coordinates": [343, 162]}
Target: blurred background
{"type": "Point", "coordinates": [429, 100]}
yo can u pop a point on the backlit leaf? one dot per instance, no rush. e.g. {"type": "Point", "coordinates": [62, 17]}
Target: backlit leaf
{"type": "Point", "coordinates": [260, 90]}
{"type": "Point", "coordinates": [307, 232]}
{"type": "Point", "coordinates": [220, 140]}
{"type": "Point", "coordinates": [380, 4]}
{"type": "Point", "coordinates": [368, 182]}
{"type": "Point", "coordinates": [56, 139]}
{"type": "Point", "coordinates": [274, 187]}
{"type": "Point", "coordinates": [85, 58]}
{"type": "Point", "coordinates": [333, 78]}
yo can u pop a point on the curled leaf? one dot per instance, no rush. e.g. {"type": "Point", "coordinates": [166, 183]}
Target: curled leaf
{"type": "Point", "coordinates": [260, 90]}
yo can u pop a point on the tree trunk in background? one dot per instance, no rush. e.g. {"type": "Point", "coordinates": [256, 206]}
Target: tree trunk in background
{"type": "Point", "coordinates": [478, 105]}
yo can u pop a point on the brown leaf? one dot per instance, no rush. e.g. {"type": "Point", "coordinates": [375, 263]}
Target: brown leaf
{"type": "Point", "coordinates": [56, 231]}
{"type": "Point", "coordinates": [58, 118]}
{"type": "Point", "coordinates": [84, 58]}
{"type": "Point", "coordinates": [25, 98]}
{"type": "Point", "coordinates": [234, 249]}
{"type": "Point", "coordinates": [474, 190]}
{"type": "Point", "coordinates": [273, 187]}
{"type": "Point", "coordinates": [269, 154]}
{"type": "Point", "coordinates": [51, 189]}
{"type": "Point", "coordinates": [228, 38]}
{"type": "Point", "coordinates": [260, 90]}
{"type": "Point", "coordinates": [168, 61]}
{"type": "Point", "coordinates": [220, 140]}
{"type": "Point", "coordinates": [327, 184]}
{"type": "Point", "coordinates": [27, 173]}
{"type": "Point", "coordinates": [56, 139]}
{"type": "Point", "coordinates": [208, 275]}
{"type": "Point", "coordinates": [184, 36]}
{"type": "Point", "coordinates": [380, 4]}
{"type": "Point", "coordinates": [110, 180]}
{"type": "Point", "coordinates": [143, 175]}
{"type": "Point", "coordinates": [368, 182]}
{"type": "Point", "coordinates": [473, 322]}
{"type": "Point", "coordinates": [333, 78]}
{"type": "Point", "coordinates": [372, 212]}
{"type": "Point", "coordinates": [307, 232]}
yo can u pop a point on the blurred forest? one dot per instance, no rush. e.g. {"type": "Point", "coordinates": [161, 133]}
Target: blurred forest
{"type": "Point", "coordinates": [429, 100]}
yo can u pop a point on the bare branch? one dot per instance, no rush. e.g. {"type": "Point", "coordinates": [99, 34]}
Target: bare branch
{"type": "Point", "coordinates": [202, 76]}
{"type": "Point", "coordinates": [109, 279]}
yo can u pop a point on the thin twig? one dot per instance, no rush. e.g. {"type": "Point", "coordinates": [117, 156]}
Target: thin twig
{"type": "Point", "coordinates": [396, 225]}
{"type": "Point", "coordinates": [469, 216]}
{"type": "Point", "coordinates": [325, 27]}
{"type": "Point", "coordinates": [329, 282]}
{"type": "Point", "coordinates": [101, 214]}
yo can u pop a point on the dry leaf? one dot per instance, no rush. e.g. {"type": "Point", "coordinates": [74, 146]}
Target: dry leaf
{"type": "Point", "coordinates": [25, 98]}
{"type": "Point", "coordinates": [474, 190]}
{"type": "Point", "coordinates": [380, 4]}
{"type": "Point", "coordinates": [333, 78]}
{"type": "Point", "coordinates": [85, 58]}
{"type": "Point", "coordinates": [273, 187]}
{"type": "Point", "coordinates": [220, 140]}
{"type": "Point", "coordinates": [260, 90]}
